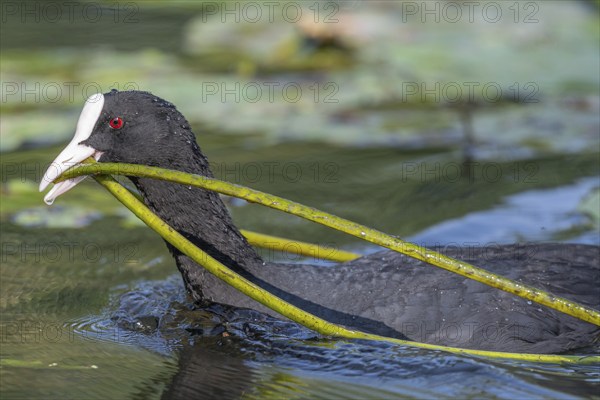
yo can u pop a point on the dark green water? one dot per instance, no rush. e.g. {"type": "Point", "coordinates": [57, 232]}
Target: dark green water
{"type": "Point", "coordinates": [91, 305]}
{"type": "Point", "coordinates": [61, 287]}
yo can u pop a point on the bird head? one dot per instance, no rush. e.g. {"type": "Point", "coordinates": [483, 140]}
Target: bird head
{"type": "Point", "coordinates": [128, 127]}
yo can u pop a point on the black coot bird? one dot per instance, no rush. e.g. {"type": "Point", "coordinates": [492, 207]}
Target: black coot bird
{"type": "Point", "coordinates": [384, 293]}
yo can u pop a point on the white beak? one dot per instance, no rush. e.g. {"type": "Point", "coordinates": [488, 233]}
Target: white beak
{"type": "Point", "coordinates": [75, 152]}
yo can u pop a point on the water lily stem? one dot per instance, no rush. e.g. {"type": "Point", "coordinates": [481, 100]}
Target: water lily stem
{"type": "Point", "coordinates": [539, 296]}
{"type": "Point", "coordinates": [288, 310]}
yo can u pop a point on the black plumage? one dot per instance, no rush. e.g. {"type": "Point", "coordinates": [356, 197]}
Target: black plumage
{"type": "Point", "coordinates": [385, 293]}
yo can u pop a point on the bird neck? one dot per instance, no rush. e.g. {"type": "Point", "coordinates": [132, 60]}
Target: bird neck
{"type": "Point", "coordinates": [199, 215]}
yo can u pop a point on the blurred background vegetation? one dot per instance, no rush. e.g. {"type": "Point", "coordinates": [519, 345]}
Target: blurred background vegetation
{"type": "Point", "coordinates": [327, 85]}
{"type": "Point", "coordinates": [437, 121]}
{"type": "Point", "coordinates": [369, 72]}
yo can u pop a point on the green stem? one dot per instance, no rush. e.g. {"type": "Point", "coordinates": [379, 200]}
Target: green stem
{"type": "Point", "coordinates": [288, 310]}
{"type": "Point", "coordinates": [563, 305]}
{"type": "Point", "coordinates": [298, 247]}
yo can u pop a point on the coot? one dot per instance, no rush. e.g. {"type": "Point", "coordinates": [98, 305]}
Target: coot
{"type": "Point", "coordinates": [384, 293]}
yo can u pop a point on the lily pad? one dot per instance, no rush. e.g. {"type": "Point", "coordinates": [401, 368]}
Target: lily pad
{"type": "Point", "coordinates": [55, 217]}
{"type": "Point", "coordinates": [590, 206]}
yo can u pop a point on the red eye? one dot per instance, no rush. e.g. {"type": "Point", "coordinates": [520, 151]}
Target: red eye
{"type": "Point", "coordinates": [116, 123]}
